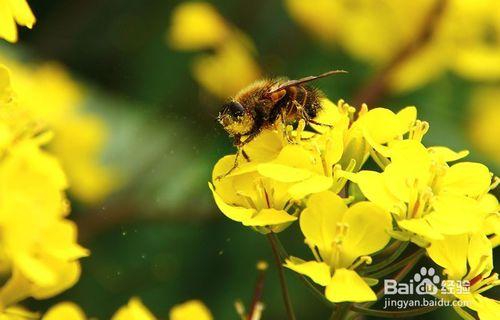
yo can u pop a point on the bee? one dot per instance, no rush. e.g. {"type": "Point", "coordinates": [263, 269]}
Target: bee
{"type": "Point", "coordinates": [261, 105]}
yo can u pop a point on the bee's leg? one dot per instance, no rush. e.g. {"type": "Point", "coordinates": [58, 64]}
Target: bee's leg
{"type": "Point", "coordinates": [319, 123]}
{"type": "Point", "coordinates": [235, 165]}
{"type": "Point", "coordinates": [245, 155]}
{"type": "Point", "coordinates": [306, 117]}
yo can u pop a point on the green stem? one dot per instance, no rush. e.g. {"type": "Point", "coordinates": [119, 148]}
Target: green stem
{"type": "Point", "coordinates": [393, 257]}
{"type": "Point", "coordinates": [463, 314]}
{"type": "Point", "coordinates": [402, 273]}
{"type": "Point", "coordinates": [284, 254]}
{"type": "Point", "coordinates": [284, 288]}
{"type": "Point", "coordinates": [340, 311]}
{"type": "Point", "coordinates": [392, 314]}
{"type": "Point", "coordinates": [402, 263]}
{"type": "Point", "coordinates": [315, 291]}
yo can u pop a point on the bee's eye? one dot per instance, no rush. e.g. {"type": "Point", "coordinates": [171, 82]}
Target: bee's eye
{"type": "Point", "coordinates": [234, 109]}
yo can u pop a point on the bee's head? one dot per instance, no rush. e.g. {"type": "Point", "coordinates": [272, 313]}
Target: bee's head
{"type": "Point", "coordinates": [235, 119]}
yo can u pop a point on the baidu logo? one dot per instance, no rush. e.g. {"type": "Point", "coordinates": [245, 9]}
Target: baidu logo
{"type": "Point", "coordinates": [424, 282]}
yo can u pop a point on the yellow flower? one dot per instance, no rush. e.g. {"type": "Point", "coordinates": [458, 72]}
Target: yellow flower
{"type": "Point", "coordinates": [341, 239]}
{"type": "Point", "coordinates": [53, 99]}
{"type": "Point", "coordinates": [12, 12]}
{"type": "Point", "coordinates": [465, 39]}
{"type": "Point", "coordinates": [482, 124]}
{"type": "Point", "coordinates": [316, 16]}
{"type": "Point", "coordinates": [250, 198]}
{"type": "Point", "coordinates": [134, 310]}
{"type": "Point", "coordinates": [190, 310]}
{"type": "Point", "coordinates": [428, 197]}
{"type": "Point", "coordinates": [231, 66]}
{"type": "Point", "coordinates": [66, 311]}
{"type": "Point", "coordinates": [468, 261]}
{"type": "Point", "coordinates": [38, 246]}
{"type": "Point", "coordinates": [395, 125]}
{"type": "Point", "coordinates": [227, 70]}
{"type": "Point", "coordinates": [195, 26]}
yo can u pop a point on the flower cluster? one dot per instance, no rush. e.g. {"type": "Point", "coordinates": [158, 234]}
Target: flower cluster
{"type": "Point", "coordinates": [231, 66]}
{"type": "Point", "coordinates": [52, 97]}
{"type": "Point", "coordinates": [39, 252]}
{"type": "Point", "coordinates": [349, 212]}
{"type": "Point", "coordinates": [465, 36]}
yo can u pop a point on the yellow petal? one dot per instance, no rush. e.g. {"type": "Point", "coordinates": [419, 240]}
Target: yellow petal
{"type": "Point", "coordinates": [456, 215]}
{"type": "Point", "coordinates": [22, 13]}
{"type": "Point", "coordinates": [479, 255]}
{"type": "Point", "coordinates": [373, 186]}
{"type": "Point", "coordinates": [190, 310]}
{"type": "Point", "coordinates": [134, 310]}
{"type": "Point", "coordinates": [406, 118]}
{"type": "Point", "coordinates": [265, 147]}
{"type": "Point", "coordinates": [467, 178]}
{"type": "Point", "coordinates": [60, 241]}
{"type": "Point", "coordinates": [8, 29]}
{"type": "Point", "coordinates": [487, 308]}
{"type": "Point", "coordinates": [381, 125]}
{"type": "Point", "coordinates": [36, 270]}
{"type": "Point", "coordinates": [347, 285]}
{"type": "Point", "coordinates": [451, 254]}
{"type": "Point", "coordinates": [367, 232]}
{"type": "Point", "coordinates": [269, 217]}
{"type": "Point", "coordinates": [319, 220]}
{"type": "Point", "coordinates": [283, 173]}
{"type": "Point", "coordinates": [235, 213]}
{"type": "Point", "coordinates": [421, 227]}
{"type": "Point", "coordinates": [66, 311]}
{"type": "Point", "coordinates": [319, 272]}
{"type": "Point", "coordinates": [314, 184]}
{"type": "Point", "coordinates": [444, 154]}
{"type": "Point", "coordinates": [67, 274]}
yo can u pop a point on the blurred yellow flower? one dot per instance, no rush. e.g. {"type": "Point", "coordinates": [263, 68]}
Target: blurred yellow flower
{"type": "Point", "coordinates": [197, 25]}
{"type": "Point", "coordinates": [483, 128]}
{"type": "Point", "coordinates": [133, 310]}
{"type": "Point", "coordinates": [227, 70]}
{"type": "Point", "coordinates": [465, 37]}
{"type": "Point", "coordinates": [12, 12]}
{"type": "Point", "coordinates": [66, 311]}
{"type": "Point", "coordinates": [52, 98]}
{"type": "Point", "coordinates": [340, 241]}
{"type": "Point", "coordinates": [317, 17]}
{"type": "Point", "coordinates": [37, 245]}
{"type": "Point", "coordinates": [190, 310]}
{"type": "Point", "coordinates": [231, 64]}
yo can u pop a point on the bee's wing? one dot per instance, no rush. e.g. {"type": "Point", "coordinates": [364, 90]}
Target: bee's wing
{"type": "Point", "coordinates": [291, 83]}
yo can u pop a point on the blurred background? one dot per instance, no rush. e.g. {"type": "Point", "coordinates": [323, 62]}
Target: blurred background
{"type": "Point", "coordinates": [131, 89]}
